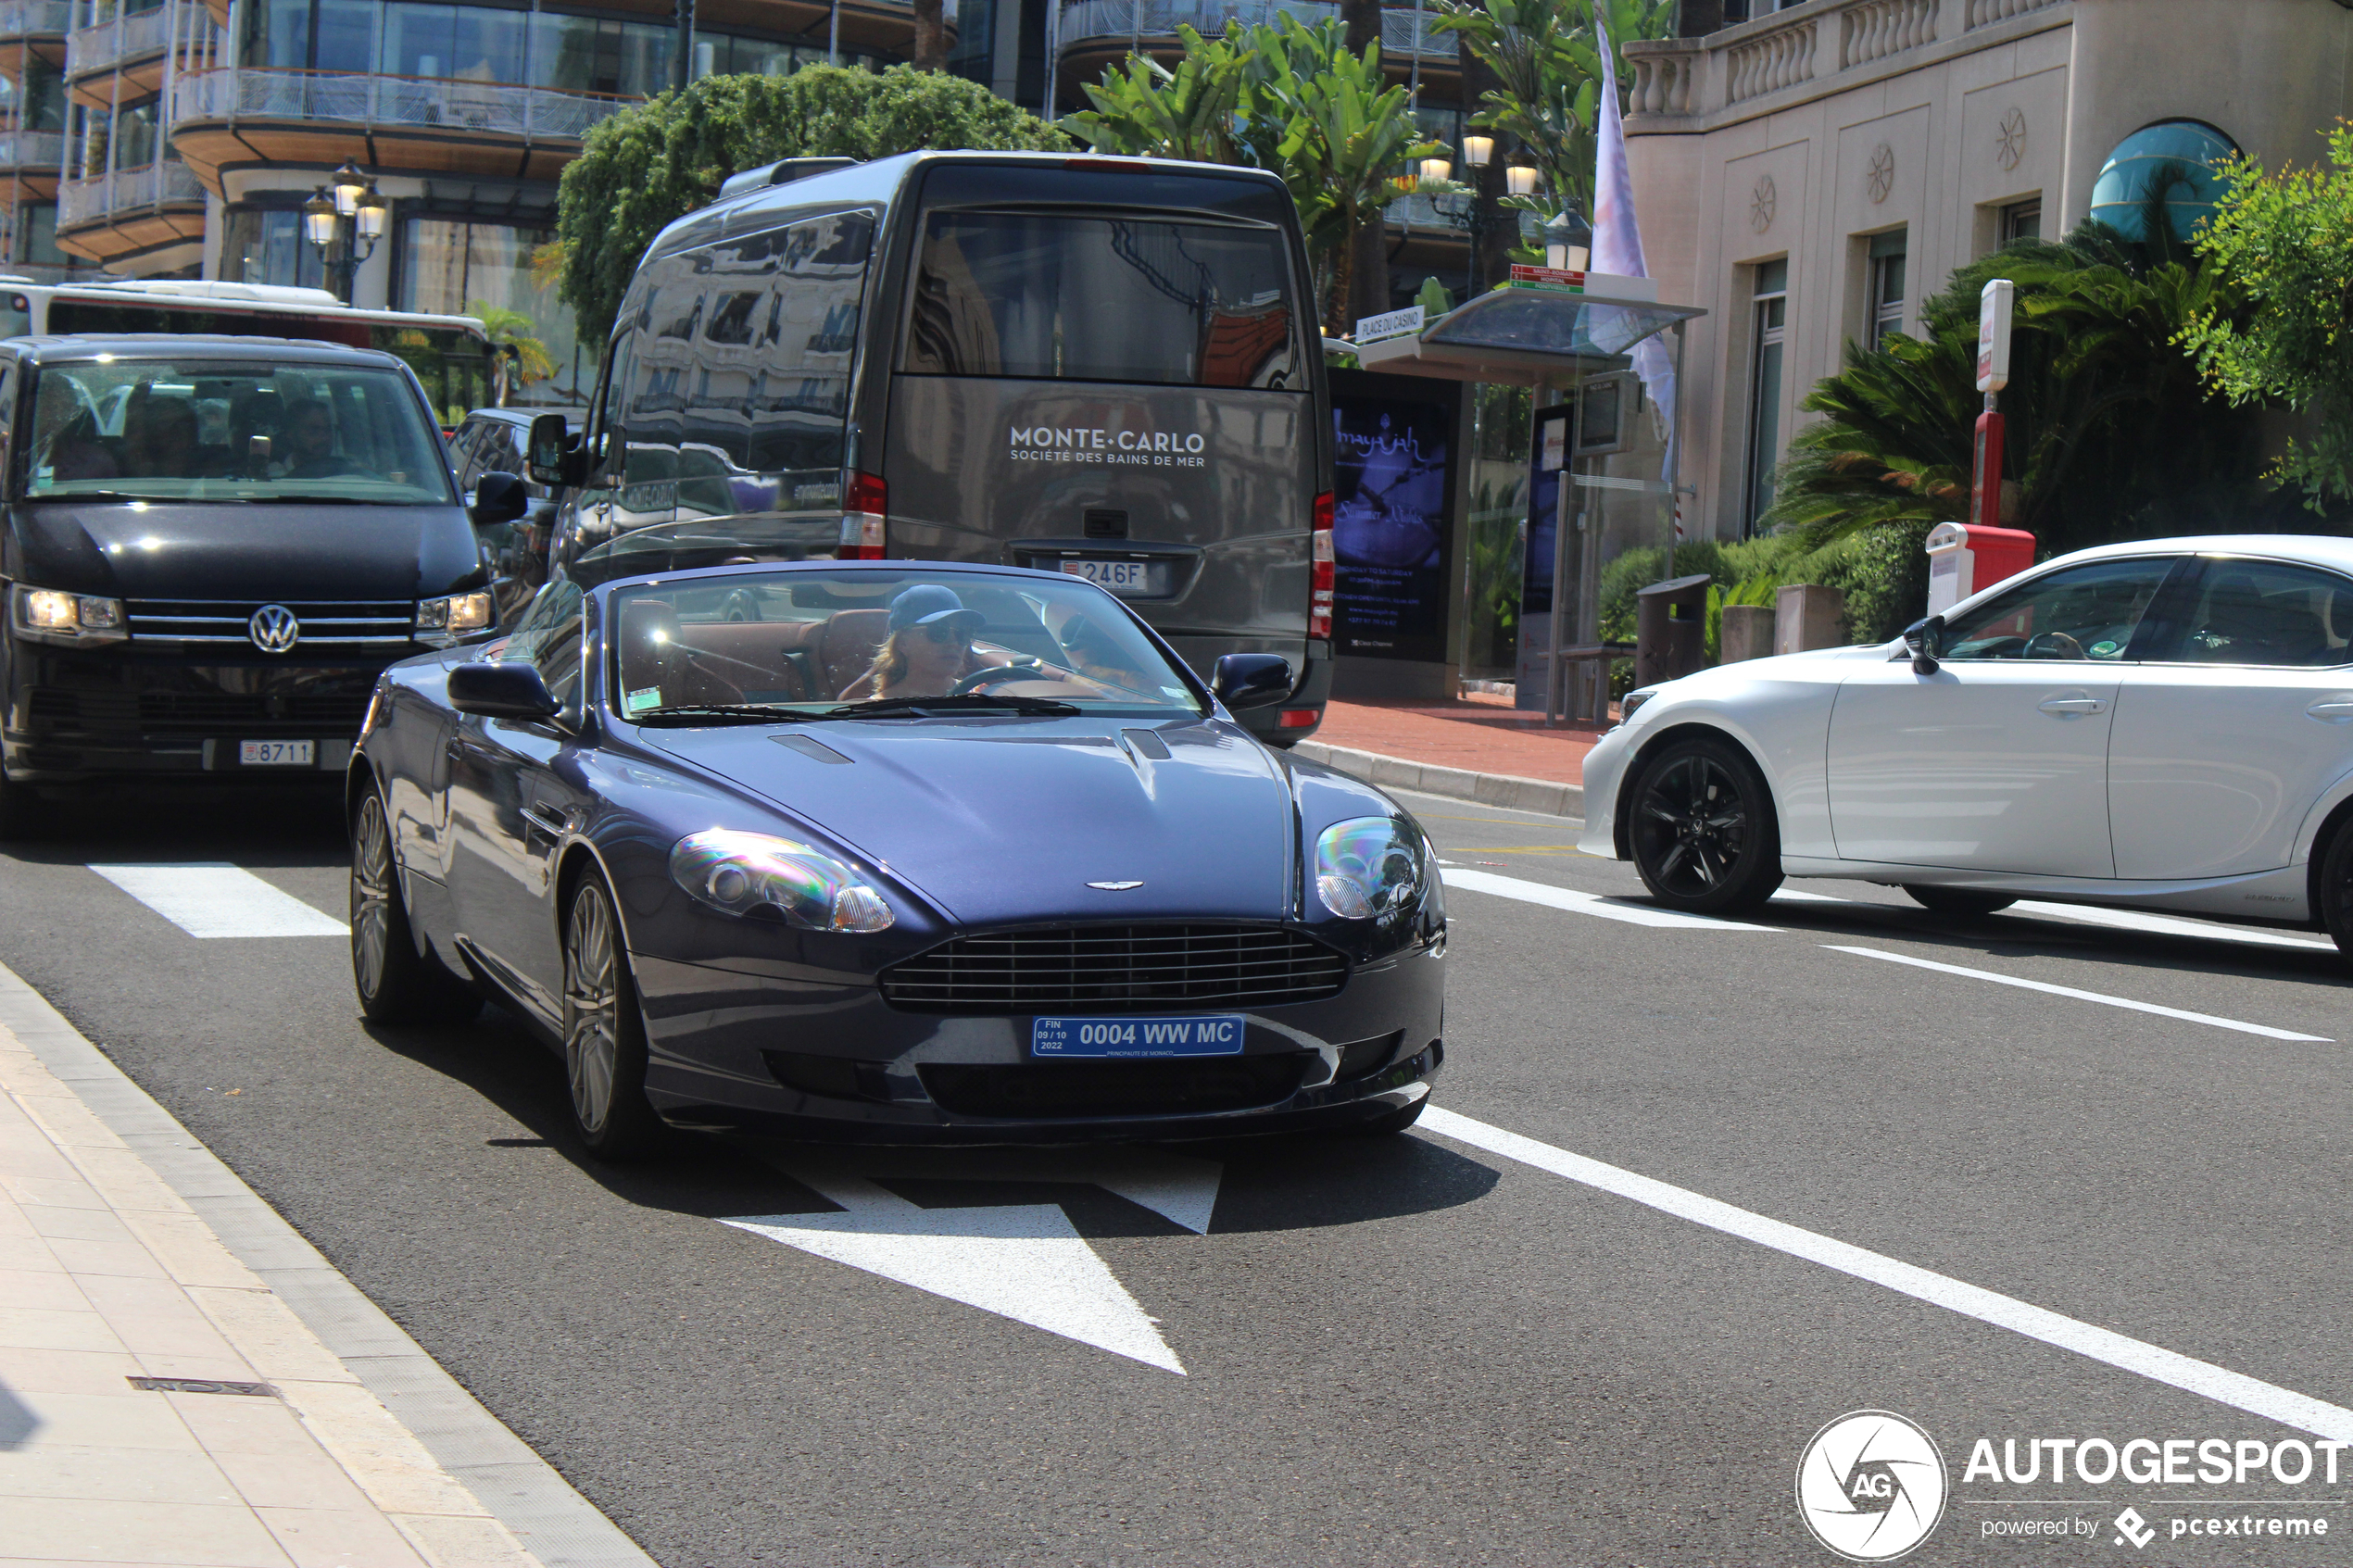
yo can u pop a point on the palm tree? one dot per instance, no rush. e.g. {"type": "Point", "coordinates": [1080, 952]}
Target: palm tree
{"type": "Point", "coordinates": [518, 358]}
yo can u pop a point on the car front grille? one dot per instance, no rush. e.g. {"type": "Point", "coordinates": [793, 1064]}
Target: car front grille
{"type": "Point", "coordinates": [254, 714]}
{"type": "Point", "coordinates": [328, 625]}
{"type": "Point", "coordinates": [1059, 1090]}
{"type": "Point", "coordinates": [1117, 969]}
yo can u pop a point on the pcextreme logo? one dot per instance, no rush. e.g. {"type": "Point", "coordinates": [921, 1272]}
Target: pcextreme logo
{"type": "Point", "coordinates": [1870, 1485]}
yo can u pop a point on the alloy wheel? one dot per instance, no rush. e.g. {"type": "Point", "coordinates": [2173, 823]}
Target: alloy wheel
{"type": "Point", "coordinates": [592, 1008]}
{"type": "Point", "coordinates": [1696, 823]}
{"type": "Point", "coordinates": [371, 896]}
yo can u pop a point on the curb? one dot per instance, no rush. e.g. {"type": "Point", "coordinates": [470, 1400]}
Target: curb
{"type": "Point", "coordinates": [1541, 796]}
{"type": "Point", "coordinates": [552, 1522]}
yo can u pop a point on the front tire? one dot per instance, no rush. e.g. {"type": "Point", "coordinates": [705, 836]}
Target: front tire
{"type": "Point", "coordinates": [396, 982]}
{"type": "Point", "coordinates": [1957, 901]}
{"type": "Point", "coordinates": [1704, 833]}
{"type": "Point", "coordinates": [604, 1030]}
{"type": "Point", "coordinates": [22, 813]}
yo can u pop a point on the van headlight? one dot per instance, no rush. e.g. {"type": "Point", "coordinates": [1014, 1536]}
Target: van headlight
{"type": "Point", "coordinates": [751, 873]}
{"type": "Point", "coordinates": [50, 615]}
{"type": "Point", "coordinates": [1368, 868]}
{"type": "Point", "coordinates": [452, 617]}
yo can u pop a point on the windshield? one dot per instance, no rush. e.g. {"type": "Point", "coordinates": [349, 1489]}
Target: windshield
{"type": "Point", "coordinates": [213, 431]}
{"type": "Point", "coordinates": [821, 643]}
{"type": "Point", "coordinates": [1044, 296]}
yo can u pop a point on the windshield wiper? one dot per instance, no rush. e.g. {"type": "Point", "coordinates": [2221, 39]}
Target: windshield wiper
{"type": "Point", "coordinates": [968, 702]}
{"type": "Point", "coordinates": [691, 712]}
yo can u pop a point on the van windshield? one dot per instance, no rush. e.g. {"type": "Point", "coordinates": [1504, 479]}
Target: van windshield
{"type": "Point", "coordinates": [1048, 296]}
{"type": "Point", "coordinates": [839, 644]}
{"type": "Point", "coordinates": [212, 431]}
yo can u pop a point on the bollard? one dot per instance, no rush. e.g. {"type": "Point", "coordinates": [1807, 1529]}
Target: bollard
{"type": "Point", "coordinates": [1747, 632]}
{"type": "Point", "coordinates": [1807, 615]}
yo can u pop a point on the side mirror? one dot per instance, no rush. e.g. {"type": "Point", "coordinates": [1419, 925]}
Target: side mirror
{"type": "Point", "coordinates": [554, 457]}
{"type": "Point", "coordinates": [1924, 640]}
{"type": "Point", "coordinates": [1252, 680]}
{"type": "Point", "coordinates": [501, 691]}
{"type": "Point", "coordinates": [498, 498]}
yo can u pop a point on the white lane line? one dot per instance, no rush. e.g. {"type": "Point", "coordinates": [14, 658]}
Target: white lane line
{"type": "Point", "coordinates": [1580, 903]}
{"type": "Point", "coordinates": [2133, 920]}
{"type": "Point", "coordinates": [2100, 997]}
{"type": "Point", "coordinates": [2218, 1384]}
{"type": "Point", "coordinates": [214, 898]}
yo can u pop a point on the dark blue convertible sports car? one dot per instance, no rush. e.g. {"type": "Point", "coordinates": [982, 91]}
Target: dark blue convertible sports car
{"type": "Point", "coordinates": [891, 852]}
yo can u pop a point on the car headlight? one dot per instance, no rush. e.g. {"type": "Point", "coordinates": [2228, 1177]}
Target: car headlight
{"type": "Point", "coordinates": [446, 620]}
{"type": "Point", "coordinates": [1633, 700]}
{"type": "Point", "coordinates": [47, 615]}
{"type": "Point", "coordinates": [749, 874]}
{"type": "Point", "coordinates": [1368, 868]}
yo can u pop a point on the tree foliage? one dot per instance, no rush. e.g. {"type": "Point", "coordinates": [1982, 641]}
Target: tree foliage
{"type": "Point", "coordinates": [1281, 96]}
{"type": "Point", "coordinates": [2285, 239]}
{"type": "Point", "coordinates": [2111, 434]}
{"type": "Point", "coordinates": [648, 166]}
{"type": "Point", "coordinates": [514, 339]}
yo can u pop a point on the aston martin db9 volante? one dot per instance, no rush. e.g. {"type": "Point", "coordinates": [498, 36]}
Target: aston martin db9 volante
{"type": "Point", "coordinates": [2166, 724]}
{"type": "Point", "coordinates": [891, 852]}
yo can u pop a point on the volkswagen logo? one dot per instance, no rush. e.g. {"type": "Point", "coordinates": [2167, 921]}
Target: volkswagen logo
{"type": "Point", "coordinates": [274, 629]}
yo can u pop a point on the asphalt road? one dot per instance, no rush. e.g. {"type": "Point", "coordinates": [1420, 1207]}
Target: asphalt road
{"type": "Point", "coordinates": [1445, 1347]}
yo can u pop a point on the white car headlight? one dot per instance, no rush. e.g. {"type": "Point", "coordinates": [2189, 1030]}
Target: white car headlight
{"type": "Point", "coordinates": [1368, 868]}
{"type": "Point", "coordinates": [444, 621]}
{"type": "Point", "coordinates": [48, 615]}
{"type": "Point", "coordinates": [743, 873]}
{"type": "Point", "coordinates": [1627, 704]}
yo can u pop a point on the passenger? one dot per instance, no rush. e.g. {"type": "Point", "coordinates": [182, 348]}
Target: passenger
{"type": "Point", "coordinates": [927, 649]}
{"type": "Point", "coordinates": [161, 440]}
{"type": "Point", "coordinates": [310, 443]}
{"type": "Point", "coordinates": [66, 437]}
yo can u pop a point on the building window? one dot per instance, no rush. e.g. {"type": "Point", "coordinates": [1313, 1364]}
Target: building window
{"type": "Point", "coordinates": [1768, 331]}
{"type": "Point", "coordinates": [2022, 221]}
{"type": "Point", "coordinates": [1886, 314]}
{"type": "Point", "coordinates": [453, 266]}
{"type": "Point", "coordinates": [259, 246]}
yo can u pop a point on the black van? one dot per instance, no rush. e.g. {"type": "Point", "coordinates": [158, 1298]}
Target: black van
{"type": "Point", "coordinates": [1105, 367]}
{"type": "Point", "coordinates": [210, 546]}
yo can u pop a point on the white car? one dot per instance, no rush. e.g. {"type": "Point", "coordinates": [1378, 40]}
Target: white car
{"type": "Point", "coordinates": [2166, 724]}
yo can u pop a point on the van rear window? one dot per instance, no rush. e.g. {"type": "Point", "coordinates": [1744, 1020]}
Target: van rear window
{"type": "Point", "coordinates": [1047, 297]}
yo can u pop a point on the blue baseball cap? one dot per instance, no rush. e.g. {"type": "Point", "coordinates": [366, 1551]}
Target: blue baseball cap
{"type": "Point", "coordinates": [928, 602]}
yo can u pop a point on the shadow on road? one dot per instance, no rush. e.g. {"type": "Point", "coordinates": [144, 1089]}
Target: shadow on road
{"type": "Point", "coordinates": [248, 826]}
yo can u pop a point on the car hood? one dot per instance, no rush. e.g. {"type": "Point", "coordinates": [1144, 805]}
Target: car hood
{"type": "Point", "coordinates": [245, 551]}
{"type": "Point", "coordinates": [1008, 819]}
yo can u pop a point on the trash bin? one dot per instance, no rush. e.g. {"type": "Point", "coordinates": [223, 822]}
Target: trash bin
{"type": "Point", "coordinates": [1670, 629]}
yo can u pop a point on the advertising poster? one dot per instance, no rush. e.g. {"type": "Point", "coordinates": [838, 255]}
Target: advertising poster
{"type": "Point", "coordinates": [1391, 520]}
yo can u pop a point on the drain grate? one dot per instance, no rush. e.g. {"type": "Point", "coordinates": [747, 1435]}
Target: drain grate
{"type": "Point", "coordinates": [202, 1385]}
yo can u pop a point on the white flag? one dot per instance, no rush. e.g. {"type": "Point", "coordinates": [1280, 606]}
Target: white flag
{"type": "Point", "coordinates": [1617, 240]}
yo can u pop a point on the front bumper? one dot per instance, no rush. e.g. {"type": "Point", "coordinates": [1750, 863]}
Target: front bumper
{"type": "Point", "coordinates": [729, 1050]}
{"type": "Point", "coordinates": [1605, 770]}
{"type": "Point", "coordinates": [71, 716]}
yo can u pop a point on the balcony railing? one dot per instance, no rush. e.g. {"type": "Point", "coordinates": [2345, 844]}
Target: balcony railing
{"type": "Point", "coordinates": [127, 37]}
{"type": "Point", "coordinates": [1096, 21]}
{"type": "Point", "coordinates": [38, 150]}
{"type": "Point", "coordinates": [498, 109]}
{"type": "Point", "coordinates": [87, 201]}
{"type": "Point", "coordinates": [1808, 45]}
{"type": "Point", "coordinates": [35, 18]}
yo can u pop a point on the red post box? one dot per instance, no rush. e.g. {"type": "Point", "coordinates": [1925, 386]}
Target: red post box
{"type": "Point", "coordinates": [1966, 558]}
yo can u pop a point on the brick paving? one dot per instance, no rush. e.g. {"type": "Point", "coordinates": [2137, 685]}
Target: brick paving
{"type": "Point", "coordinates": [1482, 737]}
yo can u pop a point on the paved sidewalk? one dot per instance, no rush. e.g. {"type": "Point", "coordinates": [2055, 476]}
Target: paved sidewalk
{"type": "Point", "coordinates": [1470, 749]}
{"type": "Point", "coordinates": [160, 1403]}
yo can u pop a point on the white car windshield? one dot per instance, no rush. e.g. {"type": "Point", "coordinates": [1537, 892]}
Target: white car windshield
{"type": "Point", "coordinates": [837, 643]}
{"type": "Point", "coordinates": [155, 429]}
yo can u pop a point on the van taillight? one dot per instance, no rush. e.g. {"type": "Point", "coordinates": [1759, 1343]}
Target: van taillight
{"type": "Point", "coordinates": [862, 519]}
{"type": "Point", "coordinates": [1320, 572]}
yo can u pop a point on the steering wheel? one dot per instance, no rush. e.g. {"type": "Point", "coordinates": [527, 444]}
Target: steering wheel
{"type": "Point", "coordinates": [741, 605]}
{"type": "Point", "coordinates": [2053, 645]}
{"type": "Point", "coordinates": [980, 680]}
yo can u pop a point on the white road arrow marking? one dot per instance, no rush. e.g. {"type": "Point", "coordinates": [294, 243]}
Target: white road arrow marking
{"type": "Point", "coordinates": [1027, 1262]}
{"type": "Point", "coordinates": [1175, 1186]}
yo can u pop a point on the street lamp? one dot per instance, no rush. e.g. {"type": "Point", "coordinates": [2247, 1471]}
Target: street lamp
{"type": "Point", "coordinates": [1568, 244]}
{"type": "Point", "coordinates": [1438, 169]}
{"type": "Point", "coordinates": [345, 219]}
{"type": "Point", "coordinates": [1479, 151]}
{"type": "Point", "coordinates": [1520, 180]}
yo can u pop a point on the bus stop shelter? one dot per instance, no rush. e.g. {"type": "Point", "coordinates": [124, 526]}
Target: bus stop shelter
{"type": "Point", "coordinates": [1601, 477]}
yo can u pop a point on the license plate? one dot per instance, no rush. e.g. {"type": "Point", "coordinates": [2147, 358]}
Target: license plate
{"type": "Point", "coordinates": [277, 754]}
{"type": "Point", "coordinates": [1119, 576]}
{"type": "Point", "coordinates": [1218, 1036]}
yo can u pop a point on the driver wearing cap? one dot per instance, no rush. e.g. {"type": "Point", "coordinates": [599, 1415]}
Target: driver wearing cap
{"type": "Point", "coordinates": [927, 649]}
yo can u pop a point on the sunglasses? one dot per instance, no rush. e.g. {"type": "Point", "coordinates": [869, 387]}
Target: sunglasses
{"type": "Point", "coordinates": [947, 631]}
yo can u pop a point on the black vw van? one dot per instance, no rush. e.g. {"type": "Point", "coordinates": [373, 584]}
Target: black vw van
{"type": "Point", "coordinates": [1105, 367]}
{"type": "Point", "coordinates": [210, 546]}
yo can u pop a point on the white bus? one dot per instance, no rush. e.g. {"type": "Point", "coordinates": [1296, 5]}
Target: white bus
{"type": "Point", "coordinates": [450, 353]}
